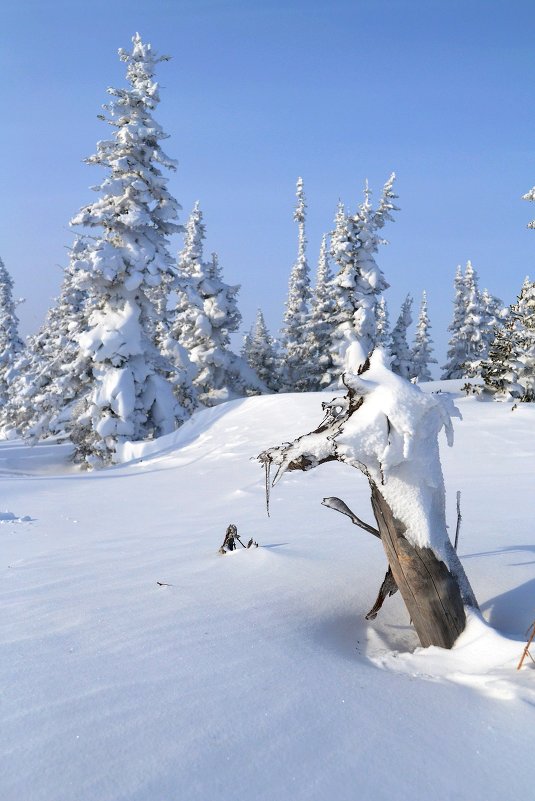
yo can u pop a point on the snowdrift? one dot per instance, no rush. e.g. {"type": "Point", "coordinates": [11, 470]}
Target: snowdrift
{"type": "Point", "coordinates": [138, 663]}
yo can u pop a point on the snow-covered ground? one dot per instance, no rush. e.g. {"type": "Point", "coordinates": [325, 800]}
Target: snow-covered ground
{"type": "Point", "coordinates": [253, 675]}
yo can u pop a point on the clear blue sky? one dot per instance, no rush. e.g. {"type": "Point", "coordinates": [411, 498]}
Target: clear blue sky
{"type": "Point", "coordinates": [258, 93]}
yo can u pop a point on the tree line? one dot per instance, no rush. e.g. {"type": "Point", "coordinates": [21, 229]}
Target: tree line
{"type": "Point", "coordinates": [137, 340]}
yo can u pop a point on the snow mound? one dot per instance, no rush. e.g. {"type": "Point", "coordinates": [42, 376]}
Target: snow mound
{"type": "Point", "coordinates": [481, 658]}
{"type": "Point", "coordinates": [9, 517]}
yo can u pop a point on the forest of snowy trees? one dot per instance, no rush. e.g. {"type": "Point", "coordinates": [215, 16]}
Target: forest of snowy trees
{"type": "Point", "coordinates": [138, 339]}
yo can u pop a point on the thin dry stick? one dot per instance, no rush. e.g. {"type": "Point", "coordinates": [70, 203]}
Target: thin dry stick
{"type": "Point", "coordinates": [459, 518]}
{"type": "Point", "coordinates": [268, 486]}
{"type": "Point", "coordinates": [526, 649]}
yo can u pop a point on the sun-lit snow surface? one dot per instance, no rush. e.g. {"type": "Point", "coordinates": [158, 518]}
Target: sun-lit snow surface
{"type": "Point", "coordinates": [254, 675]}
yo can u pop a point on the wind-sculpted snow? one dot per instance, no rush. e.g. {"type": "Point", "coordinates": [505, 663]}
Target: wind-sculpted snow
{"type": "Point", "coordinates": [254, 675]}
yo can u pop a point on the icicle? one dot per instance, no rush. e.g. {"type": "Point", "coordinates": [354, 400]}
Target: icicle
{"type": "Point", "coordinates": [267, 464]}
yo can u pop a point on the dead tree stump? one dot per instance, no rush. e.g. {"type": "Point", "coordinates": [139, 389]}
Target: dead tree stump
{"type": "Point", "coordinates": [430, 592]}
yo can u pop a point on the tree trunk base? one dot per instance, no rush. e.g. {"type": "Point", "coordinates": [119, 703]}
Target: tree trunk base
{"type": "Point", "coordinates": [430, 591]}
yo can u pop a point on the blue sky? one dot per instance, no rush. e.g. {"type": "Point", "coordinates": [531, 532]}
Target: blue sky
{"type": "Point", "coordinates": [258, 93]}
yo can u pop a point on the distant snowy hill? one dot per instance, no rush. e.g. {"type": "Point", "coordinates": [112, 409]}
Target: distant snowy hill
{"type": "Point", "coordinates": [139, 664]}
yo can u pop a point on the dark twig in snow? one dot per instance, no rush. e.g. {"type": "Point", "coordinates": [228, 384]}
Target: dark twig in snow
{"type": "Point", "coordinates": [231, 535]}
{"type": "Point", "coordinates": [459, 518]}
{"type": "Point", "coordinates": [526, 649]}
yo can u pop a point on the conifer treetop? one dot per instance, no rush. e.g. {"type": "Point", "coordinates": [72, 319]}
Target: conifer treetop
{"type": "Point", "coordinates": [360, 280]}
{"type": "Point", "coordinates": [135, 204]}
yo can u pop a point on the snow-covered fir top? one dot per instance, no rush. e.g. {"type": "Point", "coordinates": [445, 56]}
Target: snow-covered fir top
{"type": "Point", "coordinates": [359, 281]}
{"type": "Point", "coordinates": [509, 369]}
{"type": "Point", "coordinates": [466, 347]}
{"type": "Point", "coordinates": [319, 344]}
{"type": "Point", "coordinates": [421, 356]}
{"type": "Point", "coordinates": [382, 322]}
{"type": "Point", "coordinates": [205, 315]}
{"type": "Point", "coordinates": [386, 204]}
{"type": "Point", "coordinates": [135, 391]}
{"type": "Point", "coordinates": [399, 346]}
{"type": "Point", "coordinates": [260, 353]}
{"type": "Point", "coordinates": [10, 342]}
{"type": "Point", "coordinates": [190, 258]}
{"type": "Point", "coordinates": [296, 316]}
{"type": "Point", "coordinates": [135, 203]}
{"type": "Point", "coordinates": [297, 305]}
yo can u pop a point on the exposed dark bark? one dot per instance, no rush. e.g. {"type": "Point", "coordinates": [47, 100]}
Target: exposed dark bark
{"type": "Point", "coordinates": [387, 588]}
{"type": "Point", "coordinates": [430, 592]}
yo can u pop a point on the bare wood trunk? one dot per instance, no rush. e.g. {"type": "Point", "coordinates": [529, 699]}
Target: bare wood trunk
{"type": "Point", "coordinates": [430, 591]}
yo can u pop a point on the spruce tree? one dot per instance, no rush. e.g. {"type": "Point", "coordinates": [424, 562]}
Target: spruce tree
{"type": "Point", "coordinates": [509, 370]}
{"type": "Point", "coordinates": [319, 356]}
{"type": "Point", "coordinates": [524, 313]}
{"type": "Point", "coordinates": [457, 348]}
{"type": "Point", "coordinates": [11, 344]}
{"type": "Point", "coordinates": [401, 362]}
{"type": "Point", "coordinates": [382, 322]}
{"type": "Point", "coordinates": [51, 372]}
{"type": "Point", "coordinates": [360, 281]}
{"type": "Point", "coordinates": [205, 315]}
{"type": "Point", "coordinates": [294, 369]}
{"type": "Point", "coordinates": [422, 349]}
{"type": "Point", "coordinates": [493, 315]}
{"type": "Point", "coordinates": [259, 351]}
{"type": "Point", "coordinates": [129, 396]}
{"type": "Point", "coordinates": [472, 326]}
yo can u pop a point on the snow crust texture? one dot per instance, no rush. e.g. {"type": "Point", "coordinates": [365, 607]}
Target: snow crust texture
{"type": "Point", "coordinates": [254, 674]}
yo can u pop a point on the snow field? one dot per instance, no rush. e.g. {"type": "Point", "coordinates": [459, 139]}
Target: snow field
{"type": "Point", "coordinates": [254, 674]}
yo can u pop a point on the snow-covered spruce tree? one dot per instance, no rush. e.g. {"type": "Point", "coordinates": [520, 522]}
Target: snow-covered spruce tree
{"type": "Point", "coordinates": [457, 349]}
{"type": "Point", "coordinates": [294, 368]}
{"type": "Point", "coordinates": [524, 314]}
{"type": "Point", "coordinates": [260, 353]}
{"type": "Point", "coordinates": [387, 205]}
{"type": "Point", "coordinates": [399, 347]}
{"type": "Point", "coordinates": [471, 329]}
{"type": "Point", "coordinates": [205, 315]}
{"type": "Point", "coordinates": [499, 371]}
{"type": "Point", "coordinates": [422, 349]}
{"type": "Point", "coordinates": [320, 327]}
{"type": "Point", "coordinates": [51, 371]}
{"type": "Point", "coordinates": [493, 315]}
{"type": "Point", "coordinates": [382, 322]}
{"type": "Point", "coordinates": [360, 281]}
{"type": "Point", "coordinates": [388, 429]}
{"type": "Point", "coordinates": [10, 342]}
{"type": "Point", "coordinates": [130, 397]}
{"type": "Point", "coordinates": [509, 371]}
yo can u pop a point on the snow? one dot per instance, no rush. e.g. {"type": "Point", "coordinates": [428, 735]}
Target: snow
{"type": "Point", "coordinates": [254, 675]}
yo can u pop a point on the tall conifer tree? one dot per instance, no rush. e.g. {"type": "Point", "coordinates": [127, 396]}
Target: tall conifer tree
{"type": "Point", "coordinates": [360, 281]}
{"type": "Point", "coordinates": [400, 352]}
{"type": "Point", "coordinates": [422, 348]}
{"type": "Point", "coordinates": [205, 316]}
{"type": "Point", "coordinates": [294, 369]}
{"type": "Point", "coordinates": [10, 342]}
{"type": "Point", "coordinates": [259, 351]}
{"type": "Point", "coordinates": [119, 266]}
{"type": "Point", "coordinates": [320, 329]}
